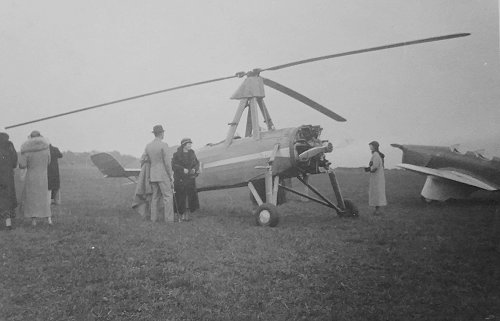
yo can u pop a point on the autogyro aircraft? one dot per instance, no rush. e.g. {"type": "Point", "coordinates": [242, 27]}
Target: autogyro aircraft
{"type": "Point", "coordinates": [450, 174]}
{"type": "Point", "coordinates": [263, 158]}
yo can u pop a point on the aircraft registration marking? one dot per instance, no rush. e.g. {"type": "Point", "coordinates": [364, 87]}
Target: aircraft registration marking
{"type": "Point", "coordinates": [283, 152]}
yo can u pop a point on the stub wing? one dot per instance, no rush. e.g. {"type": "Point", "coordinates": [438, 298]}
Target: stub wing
{"type": "Point", "coordinates": [450, 175]}
{"type": "Point", "coordinates": [110, 167]}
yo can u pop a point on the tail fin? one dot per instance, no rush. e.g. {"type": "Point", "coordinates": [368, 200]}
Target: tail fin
{"type": "Point", "coordinates": [110, 167]}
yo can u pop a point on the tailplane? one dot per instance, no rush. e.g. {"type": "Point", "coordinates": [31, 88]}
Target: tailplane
{"type": "Point", "coordinates": [110, 167]}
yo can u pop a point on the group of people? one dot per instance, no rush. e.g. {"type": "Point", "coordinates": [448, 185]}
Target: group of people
{"type": "Point", "coordinates": [162, 177]}
{"type": "Point", "coordinates": [169, 180]}
{"type": "Point", "coordinates": [38, 162]}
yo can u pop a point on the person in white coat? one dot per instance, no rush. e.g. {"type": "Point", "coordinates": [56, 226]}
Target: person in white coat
{"type": "Point", "coordinates": [35, 158]}
{"type": "Point", "coordinates": [376, 191]}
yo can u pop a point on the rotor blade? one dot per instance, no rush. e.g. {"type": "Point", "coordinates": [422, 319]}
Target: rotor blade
{"type": "Point", "coordinates": [292, 93]}
{"type": "Point", "coordinates": [121, 100]}
{"type": "Point", "coordinates": [394, 45]}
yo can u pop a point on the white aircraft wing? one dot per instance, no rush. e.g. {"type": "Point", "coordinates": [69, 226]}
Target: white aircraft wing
{"type": "Point", "coordinates": [450, 175]}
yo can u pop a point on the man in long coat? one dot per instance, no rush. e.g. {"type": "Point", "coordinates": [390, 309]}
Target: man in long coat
{"type": "Point", "coordinates": [53, 175]}
{"type": "Point", "coordinates": [160, 175]}
{"type": "Point", "coordinates": [8, 161]}
{"type": "Point", "coordinates": [35, 158]}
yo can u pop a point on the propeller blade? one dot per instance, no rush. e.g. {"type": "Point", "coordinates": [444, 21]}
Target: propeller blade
{"type": "Point", "coordinates": [310, 153]}
{"type": "Point", "coordinates": [123, 100]}
{"type": "Point", "coordinates": [292, 93]}
{"type": "Point", "coordinates": [394, 45]}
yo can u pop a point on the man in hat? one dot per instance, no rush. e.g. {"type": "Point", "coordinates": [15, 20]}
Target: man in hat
{"type": "Point", "coordinates": [160, 176]}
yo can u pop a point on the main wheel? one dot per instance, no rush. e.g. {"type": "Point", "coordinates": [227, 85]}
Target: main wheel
{"type": "Point", "coordinates": [267, 215]}
{"type": "Point", "coordinates": [351, 210]}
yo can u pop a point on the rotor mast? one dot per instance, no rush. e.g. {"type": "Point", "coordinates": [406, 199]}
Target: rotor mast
{"type": "Point", "coordinates": [251, 95]}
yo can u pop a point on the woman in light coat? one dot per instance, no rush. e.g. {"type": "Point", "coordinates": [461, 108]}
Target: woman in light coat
{"type": "Point", "coordinates": [376, 191]}
{"type": "Point", "coordinates": [35, 158]}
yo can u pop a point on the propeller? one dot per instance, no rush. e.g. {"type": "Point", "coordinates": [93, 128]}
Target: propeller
{"type": "Point", "coordinates": [270, 83]}
{"type": "Point", "coordinates": [310, 153]}
{"type": "Point", "coordinates": [309, 102]}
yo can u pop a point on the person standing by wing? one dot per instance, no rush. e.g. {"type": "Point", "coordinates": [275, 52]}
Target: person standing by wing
{"type": "Point", "coordinates": [160, 176]}
{"type": "Point", "coordinates": [376, 191]}
{"type": "Point", "coordinates": [186, 167]}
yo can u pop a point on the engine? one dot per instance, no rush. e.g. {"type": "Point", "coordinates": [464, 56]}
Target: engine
{"type": "Point", "coordinates": [309, 150]}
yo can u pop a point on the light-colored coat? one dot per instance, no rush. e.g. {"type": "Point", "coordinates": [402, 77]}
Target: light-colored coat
{"type": "Point", "coordinates": [160, 158]}
{"type": "Point", "coordinates": [376, 191]}
{"type": "Point", "coordinates": [143, 191]}
{"type": "Point", "coordinates": [35, 158]}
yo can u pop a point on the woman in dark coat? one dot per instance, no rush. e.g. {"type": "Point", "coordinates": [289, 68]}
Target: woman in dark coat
{"type": "Point", "coordinates": [186, 167]}
{"type": "Point", "coordinates": [53, 174]}
{"type": "Point", "coordinates": [8, 161]}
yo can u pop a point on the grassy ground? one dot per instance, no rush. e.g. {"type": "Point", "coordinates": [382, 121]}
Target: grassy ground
{"type": "Point", "coordinates": [102, 262]}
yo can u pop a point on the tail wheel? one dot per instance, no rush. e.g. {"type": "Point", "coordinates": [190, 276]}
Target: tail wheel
{"type": "Point", "coordinates": [351, 210]}
{"type": "Point", "coordinates": [267, 215]}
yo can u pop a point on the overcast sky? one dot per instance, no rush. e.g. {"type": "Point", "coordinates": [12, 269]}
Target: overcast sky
{"type": "Point", "coordinates": [62, 55]}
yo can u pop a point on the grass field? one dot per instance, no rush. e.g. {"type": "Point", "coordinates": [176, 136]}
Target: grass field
{"type": "Point", "coordinates": [102, 262]}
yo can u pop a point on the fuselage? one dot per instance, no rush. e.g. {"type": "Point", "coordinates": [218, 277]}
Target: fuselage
{"type": "Point", "coordinates": [225, 165]}
{"type": "Point", "coordinates": [438, 157]}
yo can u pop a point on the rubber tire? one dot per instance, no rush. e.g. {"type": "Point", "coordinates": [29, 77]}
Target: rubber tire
{"type": "Point", "coordinates": [351, 210]}
{"type": "Point", "coordinates": [427, 200]}
{"type": "Point", "coordinates": [271, 210]}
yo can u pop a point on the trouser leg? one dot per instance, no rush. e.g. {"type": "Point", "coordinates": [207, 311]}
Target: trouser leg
{"type": "Point", "coordinates": [154, 201]}
{"type": "Point", "coordinates": [167, 196]}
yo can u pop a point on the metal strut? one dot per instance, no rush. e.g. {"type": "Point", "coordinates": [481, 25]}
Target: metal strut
{"type": "Point", "coordinates": [315, 191]}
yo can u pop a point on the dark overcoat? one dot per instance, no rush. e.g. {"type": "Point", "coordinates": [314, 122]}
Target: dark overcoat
{"type": "Point", "coordinates": [185, 184]}
{"type": "Point", "coordinates": [8, 161]}
{"type": "Point", "coordinates": [53, 168]}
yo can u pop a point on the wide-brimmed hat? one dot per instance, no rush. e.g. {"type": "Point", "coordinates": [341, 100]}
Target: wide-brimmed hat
{"type": "Point", "coordinates": [158, 129]}
{"type": "Point", "coordinates": [186, 141]}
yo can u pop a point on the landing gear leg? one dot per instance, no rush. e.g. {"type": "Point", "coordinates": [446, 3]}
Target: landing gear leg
{"type": "Point", "coordinates": [348, 208]}
{"type": "Point", "coordinates": [267, 213]}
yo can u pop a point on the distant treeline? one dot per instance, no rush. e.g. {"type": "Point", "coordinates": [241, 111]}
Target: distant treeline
{"type": "Point", "coordinates": [83, 159]}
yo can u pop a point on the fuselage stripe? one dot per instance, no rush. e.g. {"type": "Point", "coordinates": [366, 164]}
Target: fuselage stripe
{"type": "Point", "coordinates": [284, 152]}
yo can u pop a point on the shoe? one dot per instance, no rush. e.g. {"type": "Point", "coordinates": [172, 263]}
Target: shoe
{"type": "Point", "coordinates": [33, 222]}
{"type": "Point", "coordinates": [50, 221]}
